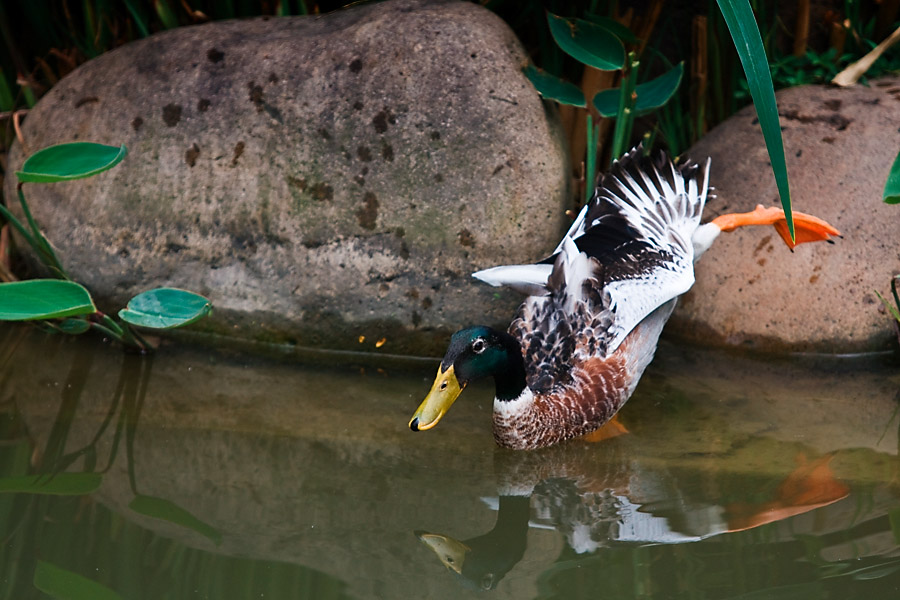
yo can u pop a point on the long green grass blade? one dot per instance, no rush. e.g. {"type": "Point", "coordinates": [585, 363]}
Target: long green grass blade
{"type": "Point", "coordinates": [590, 162]}
{"type": "Point", "coordinates": [7, 100]}
{"type": "Point", "coordinates": [892, 185]}
{"type": "Point", "coordinates": [745, 33]}
{"type": "Point", "coordinates": [139, 20]}
{"type": "Point", "coordinates": [165, 13]}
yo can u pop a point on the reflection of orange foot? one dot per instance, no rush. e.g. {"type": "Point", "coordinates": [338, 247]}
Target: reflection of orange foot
{"type": "Point", "coordinates": [809, 486]}
{"type": "Point", "coordinates": [806, 227]}
{"type": "Point", "coordinates": [612, 428]}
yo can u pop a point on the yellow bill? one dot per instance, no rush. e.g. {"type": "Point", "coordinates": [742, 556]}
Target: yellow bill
{"type": "Point", "coordinates": [451, 552]}
{"type": "Point", "coordinates": [443, 393]}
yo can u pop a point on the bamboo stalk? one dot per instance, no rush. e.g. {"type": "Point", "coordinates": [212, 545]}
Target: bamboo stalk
{"type": "Point", "coordinates": [699, 72]}
{"type": "Point", "coordinates": [837, 38]}
{"type": "Point", "coordinates": [801, 28]}
{"type": "Point", "coordinates": [886, 16]}
{"type": "Point", "coordinates": [852, 73]}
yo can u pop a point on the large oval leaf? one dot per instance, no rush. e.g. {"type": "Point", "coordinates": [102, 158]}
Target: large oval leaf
{"type": "Point", "coordinates": [553, 88]}
{"type": "Point", "coordinates": [892, 185]}
{"type": "Point", "coordinates": [650, 95]}
{"type": "Point", "coordinates": [43, 299]}
{"type": "Point", "coordinates": [165, 308]}
{"type": "Point", "coordinates": [64, 162]}
{"type": "Point", "coordinates": [588, 43]}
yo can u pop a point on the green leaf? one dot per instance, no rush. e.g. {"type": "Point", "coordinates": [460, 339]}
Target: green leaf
{"type": "Point", "coordinates": [588, 43]}
{"type": "Point", "coordinates": [553, 88]}
{"type": "Point", "coordinates": [61, 484]}
{"type": "Point", "coordinates": [7, 100]}
{"type": "Point", "coordinates": [894, 518]}
{"type": "Point", "coordinates": [166, 14]}
{"type": "Point", "coordinates": [614, 27]}
{"type": "Point", "coordinates": [742, 25]}
{"type": "Point", "coordinates": [65, 162]}
{"type": "Point", "coordinates": [165, 308]}
{"type": "Point", "coordinates": [160, 508]}
{"type": "Point", "coordinates": [74, 326]}
{"type": "Point", "coordinates": [43, 299]}
{"type": "Point", "coordinates": [892, 185]}
{"type": "Point", "coordinates": [890, 307]}
{"type": "Point", "coordinates": [650, 95]}
{"type": "Point", "coordinates": [61, 584]}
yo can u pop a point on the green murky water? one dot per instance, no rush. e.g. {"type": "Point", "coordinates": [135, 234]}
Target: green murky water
{"type": "Point", "coordinates": [200, 475]}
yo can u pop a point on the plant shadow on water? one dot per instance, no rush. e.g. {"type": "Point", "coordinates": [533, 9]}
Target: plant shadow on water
{"type": "Point", "coordinates": [194, 474]}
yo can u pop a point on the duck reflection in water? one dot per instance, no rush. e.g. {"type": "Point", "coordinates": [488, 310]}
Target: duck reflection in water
{"type": "Point", "coordinates": [617, 501]}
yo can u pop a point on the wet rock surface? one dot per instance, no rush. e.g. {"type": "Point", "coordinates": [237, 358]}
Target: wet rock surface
{"type": "Point", "coordinates": [751, 291]}
{"type": "Point", "coordinates": [320, 179]}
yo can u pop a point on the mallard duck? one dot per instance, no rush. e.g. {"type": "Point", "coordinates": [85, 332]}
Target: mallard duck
{"type": "Point", "coordinates": [596, 306]}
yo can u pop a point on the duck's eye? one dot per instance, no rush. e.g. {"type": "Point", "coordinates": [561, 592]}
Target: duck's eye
{"type": "Point", "coordinates": [478, 346]}
{"type": "Point", "coordinates": [487, 582]}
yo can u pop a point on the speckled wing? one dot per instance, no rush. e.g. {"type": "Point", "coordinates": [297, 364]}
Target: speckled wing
{"type": "Point", "coordinates": [627, 253]}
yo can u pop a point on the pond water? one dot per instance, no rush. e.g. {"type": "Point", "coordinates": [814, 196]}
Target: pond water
{"type": "Point", "coordinates": [201, 474]}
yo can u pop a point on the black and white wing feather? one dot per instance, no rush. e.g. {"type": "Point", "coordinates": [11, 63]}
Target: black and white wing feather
{"type": "Point", "coordinates": [628, 252]}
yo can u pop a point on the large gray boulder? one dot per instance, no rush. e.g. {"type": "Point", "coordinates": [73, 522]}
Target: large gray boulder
{"type": "Point", "coordinates": [751, 291]}
{"type": "Point", "coordinates": [318, 178]}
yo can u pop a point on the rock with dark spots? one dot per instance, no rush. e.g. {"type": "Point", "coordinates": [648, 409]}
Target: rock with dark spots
{"type": "Point", "coordinates": [232, 189]}
{"type": "Point", "coordinates": [171, 114]}
{"type": "Point", "coordinates": [191, 155]}
{"type": "Point", "coordinates": [364, 154]}
{"type": "Point", "coordinates": [751, 291]}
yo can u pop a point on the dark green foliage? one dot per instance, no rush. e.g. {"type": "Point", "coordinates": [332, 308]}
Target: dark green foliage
{"type": "Point", "coordinates": [63, 305]}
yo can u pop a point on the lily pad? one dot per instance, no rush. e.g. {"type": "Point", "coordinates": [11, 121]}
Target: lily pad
{"type": "Point", "coordinates": [165, 308]}
{"type": "Point", "coordinates": [587, 42]}
{"type": "Point", "coordinates": [43, 299]}
{"type": "Point", "coordinates": [65, 162]}
{"type": "Point", "coordinates": [553, 88]}
{"type": "Point", "coordinates": [650, 95]}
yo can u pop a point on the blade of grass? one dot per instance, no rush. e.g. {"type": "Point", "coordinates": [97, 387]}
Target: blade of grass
{"type": "Point", "coordinates": [745, 33]}
{"type": "Point", "coordinates": [165, 13]}
{"type": "Point", "coordinates": [892, 185]}
{"type": "Point", "coordinates": [887, 304]}
{"type": "Point", "coordinates": [590, 173]}
{"type": "Point", "coordinates": [139, 21]}
{"type": "Point", "coordinates": [7, 101]}
{"type": "Point", "coordinates": [43, 245]}
{"type": "Point", "coordinates": [625, 116]}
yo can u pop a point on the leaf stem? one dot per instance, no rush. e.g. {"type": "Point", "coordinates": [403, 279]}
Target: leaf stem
{"type": "Point", "coordinates": [38, 241]}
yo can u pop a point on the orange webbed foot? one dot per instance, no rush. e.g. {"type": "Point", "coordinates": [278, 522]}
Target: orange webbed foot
{"type": "Point", "coordinates": [612, 428]}
{"type": "Point", "coordinates": [807, 228]}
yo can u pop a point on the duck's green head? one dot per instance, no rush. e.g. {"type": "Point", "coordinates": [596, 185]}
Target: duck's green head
{"type": "Point", "coordinates": [473, 353]}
